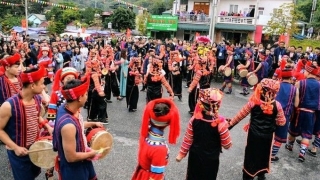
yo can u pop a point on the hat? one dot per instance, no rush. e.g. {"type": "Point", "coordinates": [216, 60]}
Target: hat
{"type": "Point", "coordinates": [287, 72]}
{"type": "Point", "coordinates": [158, 117]}
{"type": "Point", "coordinates": [31, 77]}
{"type": "Point", "coordinates": [11, 60]}
{"type": "Point", "coordinates": [249, 53]}
{"type": "Point", "coordinates": [311, 68]}
{"type": "Point", "coordinates": [229, 48]}
{"type": "Point", "coordinates": [267, 88]}
{"type": "Point", "coordinates": [61, 74]}
{"type": "Point", "coordinates": [209, 100]}
{"type": "Point", "coordinates": [76, 92]}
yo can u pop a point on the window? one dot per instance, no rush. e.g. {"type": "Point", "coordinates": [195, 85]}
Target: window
{"type": "Point", "coordinates": [261, 9]}
{"type": "Point", "coordinates": [233, 8]}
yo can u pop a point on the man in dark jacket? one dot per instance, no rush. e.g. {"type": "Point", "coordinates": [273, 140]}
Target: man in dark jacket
{"type": "Point", "coordinates": [278, 53]}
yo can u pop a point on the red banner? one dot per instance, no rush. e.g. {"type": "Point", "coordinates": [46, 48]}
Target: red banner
{"type": "Point", "coordinates": [258, 34]}
{"type": "Point", "coordinates": [23, 23]}
{"type": "Point", "coordinates": [128, 32]}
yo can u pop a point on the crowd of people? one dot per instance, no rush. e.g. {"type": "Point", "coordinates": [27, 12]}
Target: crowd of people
{"type": "Point", "coordinates": [89, 72]}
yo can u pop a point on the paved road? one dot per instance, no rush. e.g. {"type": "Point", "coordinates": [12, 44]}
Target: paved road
{"type": "Point", "coordinates": [125, 126]}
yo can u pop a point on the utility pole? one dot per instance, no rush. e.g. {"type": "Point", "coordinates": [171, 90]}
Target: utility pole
{"type": "Point", "coordinates": [26, 12]}
{"type": "Point", "coordinates": [213, 21]}
{"type": "Point", "coordinates": [314, 6]}
{"type": "Point", "coordinates": [95, 4]}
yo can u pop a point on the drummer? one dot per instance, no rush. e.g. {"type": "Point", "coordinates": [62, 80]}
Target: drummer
{"type": "Point", "coordinates": [74, 155]}
{"type": "Point", "coordinates": [18, 112]}
{"type": "Point", "coordinates": [262, 70]}
{"type": "Point", "coordinates": [228, 80]}
{"type": "Point", "coordinates": [249, 64]}
{"type": "Point", "coordinates": [57, 99]}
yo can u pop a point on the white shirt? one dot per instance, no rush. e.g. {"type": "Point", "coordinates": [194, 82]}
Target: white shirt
{"type": "Point", "coordinates": [162, 71]}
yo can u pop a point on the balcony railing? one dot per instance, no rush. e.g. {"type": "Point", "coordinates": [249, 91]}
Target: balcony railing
{"type": "Point", "coordinates": [196, 19]}
{"type": "Point", "coordinates": [235, 20]}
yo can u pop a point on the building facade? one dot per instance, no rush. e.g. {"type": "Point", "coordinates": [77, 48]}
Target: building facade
{"type": "Point", "coordinates": [235, 20]}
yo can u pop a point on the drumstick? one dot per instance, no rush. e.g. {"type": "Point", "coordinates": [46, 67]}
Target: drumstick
{"type": "Point", "coordinates": [32, 151]}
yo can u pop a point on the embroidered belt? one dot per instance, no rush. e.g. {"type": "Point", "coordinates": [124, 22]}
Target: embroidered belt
{"type": "Point", "coordinates": [306, 110]}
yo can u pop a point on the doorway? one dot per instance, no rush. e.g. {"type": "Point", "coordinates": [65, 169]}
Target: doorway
{"type": "Point", "coordinates": [202, 6]}
{"type": "Point", "coordinates": [236, 38]}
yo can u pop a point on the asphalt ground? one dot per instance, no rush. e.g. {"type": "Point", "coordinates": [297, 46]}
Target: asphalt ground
{"type": "Point", "coordinates": [125, 128]}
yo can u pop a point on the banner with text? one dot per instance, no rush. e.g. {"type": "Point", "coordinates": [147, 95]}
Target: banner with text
{"type": "Point", "coordinates": [162, 23]}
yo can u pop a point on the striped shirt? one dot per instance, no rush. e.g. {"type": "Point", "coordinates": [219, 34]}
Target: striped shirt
{"type": "Point", "coordinates": [14, 88]}
{"type": "Point", "coordinates": [32, 118]}
{"type": "Point", "coordinates": [188, 137]}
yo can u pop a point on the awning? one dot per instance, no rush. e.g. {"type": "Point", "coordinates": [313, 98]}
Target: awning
{"type": "Point", "coordinates": [196, 27]}
{"type": "Point", "coordinates": [228, 26]}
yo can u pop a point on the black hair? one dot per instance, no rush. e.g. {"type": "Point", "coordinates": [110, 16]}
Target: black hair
{"type": "Point", "coordinates": [161, 109]}
{"type": "Point", "coordinates": [71, 84]}
{"type": "Point", "coordinates": [29, 70]}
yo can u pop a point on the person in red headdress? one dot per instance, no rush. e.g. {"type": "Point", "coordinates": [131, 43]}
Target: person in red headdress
{"type": "Point", "coordinates": [266, 113]}
{"type": "Point", "coordinates": [153, 149]}
{"type": "Point", "coordinates": [45, 60]}
{"type": "Point", "coordinates": [230, 64]}
{"type": "Point", "coordinates": [206, 134]}
{"type": "Point", "coordinates": [74, 159]}
{"type": "Point", "coordinates": [20, 123]}
{"type": "Point", "coordinates": [303, 124]}
{"type": "Point", "coordinates": [10, 80]}
{"type": "Point", "coordinates": [288, 97]}
{"type": "Point", "coordinates": [262, 70]}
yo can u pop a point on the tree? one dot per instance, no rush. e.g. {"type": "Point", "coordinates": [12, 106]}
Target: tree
{"type": "Point", "coordinates": [121, 19]}
{"type": "Point", "coordinates": [87, 15]}
{"type": "Point", "coordinates": [284, 20]}
{"type": "Point", "coordinates": [157, 8]}
{"type": "Point", "coordinates": [305, 7]}
{"type": "Point", "coordinates": [142, 22]}
{"type": "Point", "coordinates": [36, 7]}
{"type": "Point", "coordinates": [70, 15]}
{"type": "Point", "coordinates": [9, 21]}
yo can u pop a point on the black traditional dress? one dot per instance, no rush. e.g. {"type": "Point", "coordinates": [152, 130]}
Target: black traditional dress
{"type": "Point", "coordinates": [154, 88]}
{"type": "Point", "coordinates": [132, 92]}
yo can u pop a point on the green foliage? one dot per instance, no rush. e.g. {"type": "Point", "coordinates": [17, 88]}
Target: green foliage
{"type": "Point", "coordinates": [70, 15]}
{"type": "Point", "coordinates": [37, 8]}
{"type": "Point", "coordinates": [121, 19]}
{"type": "Point", "coordinates": [87, 15]}
{"type": "Point", "coordinates": [304, 43]}
{"type": "Point", "coordinates": [284, 20]}
{"type": "Point", "coordinates": [305, 7]}
{"type": "Point", "coordinates": [55, 27]}
{"type": "Point", "coordinates": [142, 22]}
{"type": "Point", "coordinates": [8, 21]}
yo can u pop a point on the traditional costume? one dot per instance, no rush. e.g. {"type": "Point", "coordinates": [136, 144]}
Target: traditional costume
{"type": "Point", "coordinates": [286, 97]}
{"type": "Point", "coordinates": [175, 76]}
{"type": "Point", "coordinates": [201, 80]}
{"type": "Point", "coordinates": [206, 134]}
{"type": "Point", "coordinates": [250, 67]}
{"type": "Point", "coordinates": [228, 79]}
{"type": "Point", "coordinates": [23, 129]}
{"type": "Point", "coordinates": [45, 60]}
{"type": "Point", "coordinates": [134, 79]}
{"type": "Point", "coordinates": [81, 170]}
{"type": "Point", "coordinates": [303, 123]}
{"type": "Point", "coordinates": [266, 113]}
{"type": "Point", "coordinates": [123, 77]}
{"type": "Point", "coordinates": [154, 80]}
{"type": "Point", "coordinates": [97, 105]}
{"type": "Point", "coordinates": [8, 88]}
{"type": "Point", "coordinates": [153, 151]}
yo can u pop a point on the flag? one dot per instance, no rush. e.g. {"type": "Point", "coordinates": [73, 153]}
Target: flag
{"type": "Point", "coordinates": [128, 32]}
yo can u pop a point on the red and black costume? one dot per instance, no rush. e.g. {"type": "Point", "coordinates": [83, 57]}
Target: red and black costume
{"type": "Point", "coordinates": [266, 113]}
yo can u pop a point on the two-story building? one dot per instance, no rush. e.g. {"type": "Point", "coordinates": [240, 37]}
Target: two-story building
{"type": "Point", "coordinates": [235, 20]}
{"type": "Point", "coordinates": [36, 19]}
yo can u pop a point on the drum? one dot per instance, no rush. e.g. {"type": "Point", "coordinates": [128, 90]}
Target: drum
{"type": "Point", "coordinates": [242, 71]}
{"type": "Point", "coordinates": [252, 78]}
{"type": "Point", "coordinates": [104, 71]}
{"type": "Point", "coordinates": [99, 138]}
{"type": "Point", "coordinates": [41, 153]}
{"type": "Point", "coordinates": [225, 70]}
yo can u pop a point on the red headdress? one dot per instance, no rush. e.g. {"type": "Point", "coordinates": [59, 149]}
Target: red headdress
{"type": "Point", "coordinates": [262, 56]}
{"type": "Point", "coordinates": [33, 77]}
{"type": "Point", "coordinates": [249, 53]}
{"type": "Point", "coordinates": [172, 119]}
{"type": "Point", "coordinates": [300, 65]}
{"type": "Point", "coordinates": [104, 52]}
{"type": "Point", "coordinates": [203, 39]}
{"type": "Point", "coordinates": [287, 72]}
{"type": "Point", "coordinates": [283, 64]}
{"type": "Point", "coordinates": [267, 88]}
{"type": "Point", "coordinates": [45, 48]}
{"type": "Point", "coordinates": [311, 68]}
{"type": "Point", "coordinates": [11, 60]}
{"type": "Point", "coordinates": [209, 102]}
{"type": "Point", "coordinates": [76, 92]}
{"type": "Point", "coordinates": [61, 74]}
{"type": "Point", "coordinates": [229, 48]}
